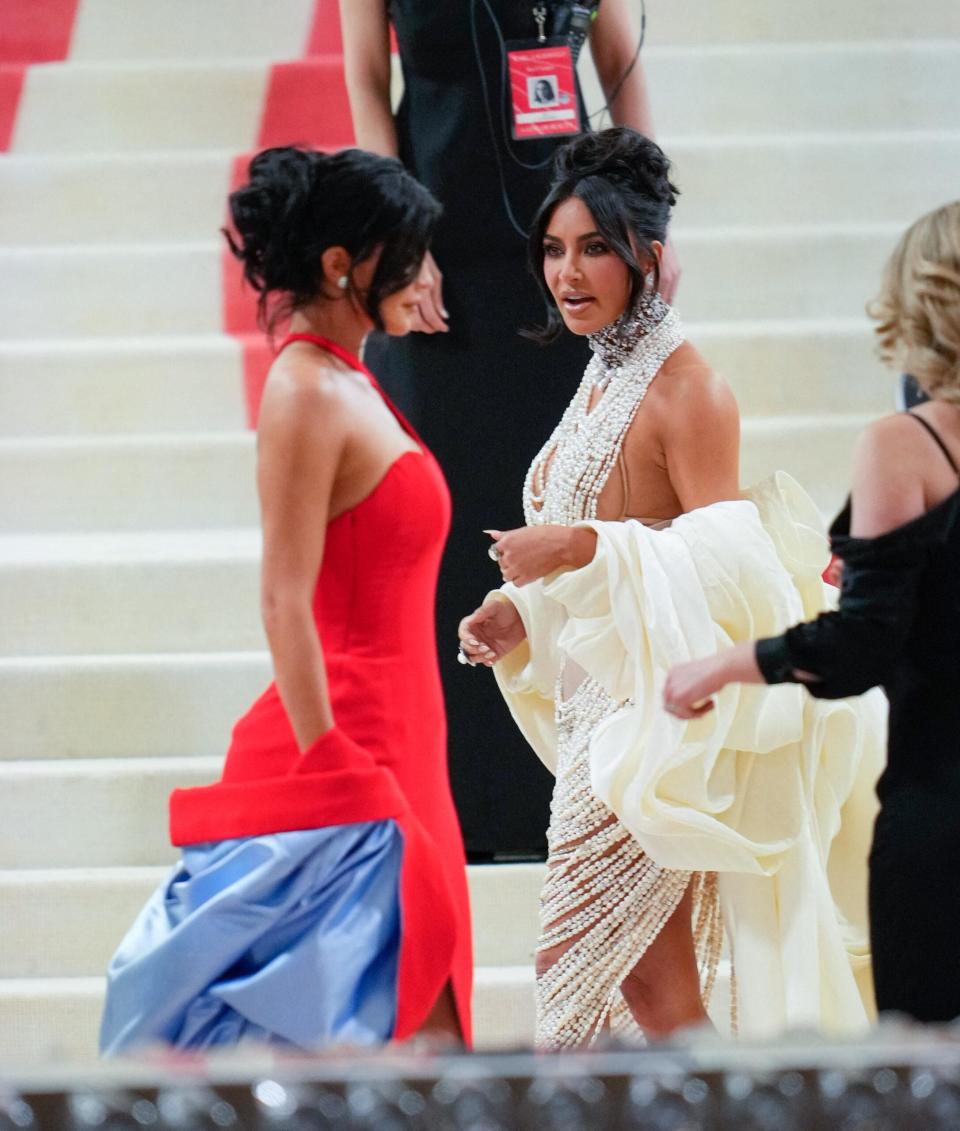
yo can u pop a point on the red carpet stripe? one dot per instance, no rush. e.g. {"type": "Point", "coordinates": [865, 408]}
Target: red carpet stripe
{"type": "Point", "coordinates": [324, 36]}
{"type": "Point", "coordinates": [11, 85]}
{"type": "Point", "coordinates": [306, 103]}
{"type": "Point", "coordinates": [36, 31]}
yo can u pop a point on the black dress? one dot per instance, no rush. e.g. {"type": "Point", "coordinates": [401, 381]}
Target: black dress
{"type": "Point", "coordinates": [483, 398]}
{"type": "Point", "coordinates": [898, 625]}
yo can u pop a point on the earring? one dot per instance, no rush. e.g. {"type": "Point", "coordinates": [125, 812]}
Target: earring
{"type": "Point", "coordinates": [343, 282]}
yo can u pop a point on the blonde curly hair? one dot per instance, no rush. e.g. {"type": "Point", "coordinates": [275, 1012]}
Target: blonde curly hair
{"type": "Point", "coordinates": [918, 307]}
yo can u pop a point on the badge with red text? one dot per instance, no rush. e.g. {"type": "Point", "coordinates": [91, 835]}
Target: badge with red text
{"type": "Point", "coordinates": [543, 91]}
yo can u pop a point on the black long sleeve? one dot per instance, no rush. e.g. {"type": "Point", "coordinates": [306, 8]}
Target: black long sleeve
{"type": "Point", "coordinates": [856, 647]}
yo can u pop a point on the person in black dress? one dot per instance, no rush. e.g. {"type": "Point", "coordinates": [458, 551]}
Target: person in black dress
{"type": "Point", "coordinates": [482, 397]}
{"type": "Point", "coordinates": [897, 625]}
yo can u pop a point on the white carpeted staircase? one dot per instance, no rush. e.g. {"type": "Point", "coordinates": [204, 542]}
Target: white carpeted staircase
{"type": "Point", "coordinates": [805, 138]}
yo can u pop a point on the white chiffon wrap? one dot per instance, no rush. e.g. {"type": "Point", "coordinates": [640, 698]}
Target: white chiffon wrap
{"type": "Point", "coordinates": [773, 789]}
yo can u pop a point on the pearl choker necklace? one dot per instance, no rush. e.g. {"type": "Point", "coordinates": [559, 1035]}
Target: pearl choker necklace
{"type": "Point", "coordinates": [616, 341]}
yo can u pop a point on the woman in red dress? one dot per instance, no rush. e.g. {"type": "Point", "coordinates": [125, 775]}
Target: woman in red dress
{"type": "Point", "coordinates": [322, 894]}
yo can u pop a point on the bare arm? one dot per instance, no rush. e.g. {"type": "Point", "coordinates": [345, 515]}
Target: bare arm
{"type": "Point", "coordinates": [301, 439]}
{"type": "Point", "coordinates": [613, 44]}
{"type": "Point", "coordinates": [366, 56]}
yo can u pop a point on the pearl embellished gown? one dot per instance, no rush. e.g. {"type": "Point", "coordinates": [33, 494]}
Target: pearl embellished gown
{"type": "Point", "coordinates": [604, 900]}
{"type": "Point", "coordinates": [761, 810]}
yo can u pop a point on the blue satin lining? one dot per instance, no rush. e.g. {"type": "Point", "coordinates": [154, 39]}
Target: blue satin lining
{"type": "Point", "coordinates": [289, 939]}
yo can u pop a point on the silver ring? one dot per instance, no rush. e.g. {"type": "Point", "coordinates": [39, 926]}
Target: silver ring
{"type": "Point", "coordinates": [463, 658]}
{"type": "Point", "coordinates": [493, 553]}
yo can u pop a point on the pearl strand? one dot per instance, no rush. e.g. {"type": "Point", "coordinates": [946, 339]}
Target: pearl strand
{"type": "Point", "coordinates": [603, 896]}
{"type": "Point", "coordinates": [565, 480]}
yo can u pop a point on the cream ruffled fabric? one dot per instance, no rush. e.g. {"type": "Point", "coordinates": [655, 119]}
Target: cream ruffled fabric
{"type": "Point", "coordinates": [773, 789]}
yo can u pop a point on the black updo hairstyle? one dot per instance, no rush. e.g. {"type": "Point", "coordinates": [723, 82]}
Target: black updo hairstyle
{"type": "Point", "coordinates": [298, 202]}
{"type": "Point", "coordinates": [623, 178]}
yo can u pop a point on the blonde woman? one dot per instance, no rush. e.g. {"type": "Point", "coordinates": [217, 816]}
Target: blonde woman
{"type": "Point", "coordinates": [898, 625]}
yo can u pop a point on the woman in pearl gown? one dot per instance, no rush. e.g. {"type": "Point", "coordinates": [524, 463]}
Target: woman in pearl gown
{"type": "Point", "coordinates": [639, 547]}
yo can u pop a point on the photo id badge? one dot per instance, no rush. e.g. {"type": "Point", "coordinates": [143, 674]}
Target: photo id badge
{"type": "Point", "coordinates": [543, 90]}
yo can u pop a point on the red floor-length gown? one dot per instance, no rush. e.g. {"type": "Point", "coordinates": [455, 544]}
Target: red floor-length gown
{"type": "Point", "coordinates": [374, 609]}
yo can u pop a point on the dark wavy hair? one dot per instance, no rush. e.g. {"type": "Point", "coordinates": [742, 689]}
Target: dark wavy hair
{"type": "Point", "coordinates": [299, 202]}
{"type": "Point", "coordinates": [623, 178]}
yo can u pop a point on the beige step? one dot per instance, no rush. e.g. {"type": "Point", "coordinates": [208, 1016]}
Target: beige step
{"type": "Point", "coordinates": [56, 1020]}
{"type": "Point", "coordinates": [181, 29]}
{"type": "Point", "coordinates": [213, 104]}
{"type": "Point", "coordinates": [757, 21]}
{"type": "Point", "coordinates": [94, 813]}
{"type": "Point", "coordinates": [814, 368]}
{"type": "Point", "coordinates": [87, 386]}
{"type": "Point", "coordinates": [703, 90]}
{"type": "Point", "coordinates": [812, 178]}
{"type": "Point", "coordinates": [68, 922]}
{"type": "Point", "coordinates": [142, 706]}
{"type": "Point", "coordinates": [118, 482]}
{"type": "Point", "coordinates": [163, 591]}
{"type": "Point", "coordinates": [105, 387]}
{"type": "Point", "coordinates": [815, 451]}
{"type": "Point", "coordinates": [730, 273]}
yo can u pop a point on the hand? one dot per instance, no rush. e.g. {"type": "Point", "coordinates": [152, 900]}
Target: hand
{"type": "Point", "coordinates": [490, 632]}
{"type": "Point", "coordinates": [433, 316]}
{"type": "Point", "coordinates": [532, 552]}
{"type": "Point", "coordinates": [669, 272]}
{"type": "Point", "coordinates": [689, 687]}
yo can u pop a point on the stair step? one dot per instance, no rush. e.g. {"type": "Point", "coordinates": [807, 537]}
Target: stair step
{"type": "Point", "coordinates": [128, 482]}
{"type": "Point", "coordinates": [56, 1020]}
{"type": "Point", "coordinates": [154, 197]}
{"type": "Point", "coordinates": [729, 274]}
{"type": "Point", "coordinates": [80, 386]}
{"type": "Point", "coordinates": [757, 21]}
{"type": "Point", "coordinates": [181, 29]}
{"type": "Point", "coordinates": [215, 103]}
{"type": "Point", "coordinates": [177, 197]}
{"type": "Point", "coordinates": [68, 922]}
{"type": "Point", "coordinates": [183, 483]}
{"type": "Point", "coordinates": [140, 706]}
{"type": "Point", "coordinates": [811, 179]}
{"type": "Point", "coordinates": [152, 592]}
{"type": "Point", "coordinates": [727, 88]}
{"type": "Point", "coordinates": [198, 591]}
{"type": "Point", "coordinates": [104, 386]}
{"type": "Point", "coordinates": [94, 813]}
{"type": "Point", "coordinates": [816, 451]}
{"type": "Point", "coordinates": [818, 368]}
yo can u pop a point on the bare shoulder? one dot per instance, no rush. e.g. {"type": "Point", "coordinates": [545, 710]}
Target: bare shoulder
{"type": "Point", "coordinates": [889, 444]}
{"type": "Point", "coordinates": [304, 398]}
{"type": "Point", "coordinates": [888, 475]}
{"type": "Point", "coordinates": [688, 389]}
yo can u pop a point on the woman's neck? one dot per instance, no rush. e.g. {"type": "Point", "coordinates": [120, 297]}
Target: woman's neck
{"type": "Point", "coordinates": [337, 319]}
